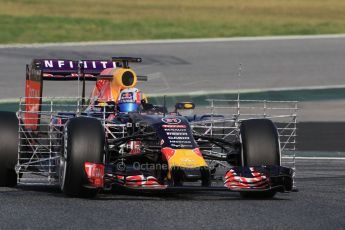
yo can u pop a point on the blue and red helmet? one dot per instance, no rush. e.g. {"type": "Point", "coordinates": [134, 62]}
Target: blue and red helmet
{"type": "Point", "coordinates": [129, 100]}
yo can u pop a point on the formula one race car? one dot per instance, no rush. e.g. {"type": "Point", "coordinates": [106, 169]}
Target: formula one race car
{"type": "Point", "coordinates": [118, 139]}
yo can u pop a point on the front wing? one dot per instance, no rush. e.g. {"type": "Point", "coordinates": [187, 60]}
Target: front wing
{"type": "Point", "coordinates": [238, 178]}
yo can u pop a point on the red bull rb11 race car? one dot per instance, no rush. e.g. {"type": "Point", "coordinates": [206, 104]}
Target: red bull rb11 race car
{"type": "Point", "coordinates": [118, 139]}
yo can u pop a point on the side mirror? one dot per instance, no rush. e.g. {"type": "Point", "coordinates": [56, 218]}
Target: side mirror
{"type": "Point", "coordinates": [184, 108]}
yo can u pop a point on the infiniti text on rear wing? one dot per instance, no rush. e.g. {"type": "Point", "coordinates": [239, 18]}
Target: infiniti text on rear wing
{"type": "Point", "coordinates": [54, 69]}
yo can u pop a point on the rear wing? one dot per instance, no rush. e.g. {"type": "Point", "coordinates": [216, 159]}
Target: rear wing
{"type": "Point", "coordinates": [41, 70]}
{"type": "Point", "coordinates": [54, 69]}
{"type": "Point", "coordinates": [71, 70]}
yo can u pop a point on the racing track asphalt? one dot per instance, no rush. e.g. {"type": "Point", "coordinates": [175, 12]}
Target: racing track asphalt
{"type": "Point", "coordinates": [319, 204]}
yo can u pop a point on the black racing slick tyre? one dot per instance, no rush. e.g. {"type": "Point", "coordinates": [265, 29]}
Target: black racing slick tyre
{"type": "Point", "coordinates": [83, 142]}
{"type": "Point", "coordinates": [260, 146]}
{"type": "Point", "coordinates": [8, 148]}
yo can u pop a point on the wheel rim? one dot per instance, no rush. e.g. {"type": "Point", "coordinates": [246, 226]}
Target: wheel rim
{"type": "Point", "coordinates": [63, 162]}
{"type": "Point", "coordinates": [62, 172]}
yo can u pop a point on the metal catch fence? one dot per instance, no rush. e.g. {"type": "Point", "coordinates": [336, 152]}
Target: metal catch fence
{"type": "Point", "coordinates": [41, 130]}
{"type": "Point", "coordinates": [41, 137]}
{"type": "Point", "coordinates": [223, 118]}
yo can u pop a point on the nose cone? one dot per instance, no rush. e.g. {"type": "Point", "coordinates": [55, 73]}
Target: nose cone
{"type": "Point", "coordinates": [185, 158]}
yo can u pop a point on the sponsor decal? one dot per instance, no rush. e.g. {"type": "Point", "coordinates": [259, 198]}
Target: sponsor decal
{"type": "Point", "coordinates": [140, 181]}
{"type": "Point", "coordinates": [33, 94]}
{"type": "Point", "coordinates": [127, 97]}
{"type": "Point", "coordinates": [181, 146]}
{"type": "Point", "coordinates": [175, 130]}
{"type": "Point", "coordinates": [168, 153]}
{"type": "Point", "coordinates": [187, 160]}
{"type": "Point", "coordinates": [178, 138]}
{"type": "Point", "coordinates": [134, 147]}
{"type": "Point", "coordinates": [174, 127]}
{"type": "Point", "coordinates": [182, 143]}
{"type": "Point", "coordinates": [172, 121]}
{"type": "Point", "coordinates": [69, 64]}
{"type": "Point", "coordinates": [177, 135]}
{"type": "Point", "coordinates": [183, 158]}
{"type": "Point", "coordinates": [95, 174]}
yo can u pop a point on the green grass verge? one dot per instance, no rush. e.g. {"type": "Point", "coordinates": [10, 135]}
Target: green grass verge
{"type": "Point", "coordinates": [27, 21]}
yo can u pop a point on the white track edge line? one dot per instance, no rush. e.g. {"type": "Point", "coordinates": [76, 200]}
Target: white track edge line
{"type": "Point", "coordinates": [203, 92]}
{"type": "Point", "coordinates": [176, 41]}
{"type": "Point", "coordinates": [316, 158]}
{"type": "Point", "coordinates": [199, 93]}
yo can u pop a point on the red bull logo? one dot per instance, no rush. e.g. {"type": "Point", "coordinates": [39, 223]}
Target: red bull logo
{"type": "Point", "coordinates": [127, 97]}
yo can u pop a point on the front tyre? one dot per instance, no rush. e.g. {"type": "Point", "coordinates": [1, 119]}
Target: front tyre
{"type": "Point", "coordinates": [83, 142]}
{"type": "Point", "coordinates": [260, 146]}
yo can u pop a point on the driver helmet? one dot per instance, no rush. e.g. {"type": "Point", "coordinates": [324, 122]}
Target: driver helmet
{"type": "Point", "coordinates": [129, 100]}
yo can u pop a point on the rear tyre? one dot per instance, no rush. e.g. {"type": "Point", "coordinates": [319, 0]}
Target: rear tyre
{"type": "Point", "coordinates": [260, 146]}
{"type": "Point", "coordinates": [8, 148]}
{"type": "Point", "coordinates": [83, 142]}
